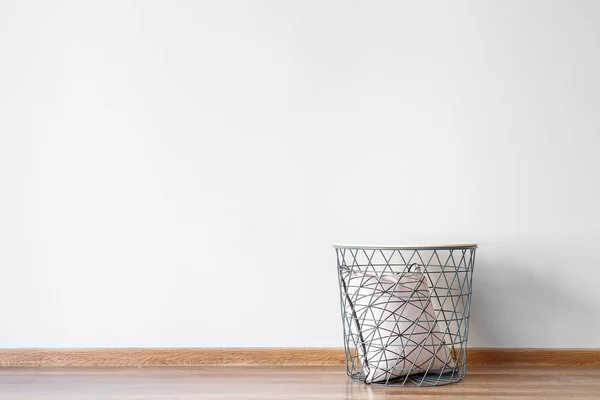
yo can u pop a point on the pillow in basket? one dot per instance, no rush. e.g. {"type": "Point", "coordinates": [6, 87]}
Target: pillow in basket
{"type": "Point", "coordinates": [396, 326]}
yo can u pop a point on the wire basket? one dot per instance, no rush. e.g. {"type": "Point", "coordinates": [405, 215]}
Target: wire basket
{"type": "Point", "coordinates": [405, 312]}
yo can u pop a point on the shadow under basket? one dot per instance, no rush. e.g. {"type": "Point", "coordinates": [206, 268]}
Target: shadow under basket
{"type": "Point", "coordinates": [405, 312]}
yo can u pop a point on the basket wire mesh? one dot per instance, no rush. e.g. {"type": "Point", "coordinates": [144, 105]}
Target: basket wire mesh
{"type": "Point", "coordinates": [405, 312]}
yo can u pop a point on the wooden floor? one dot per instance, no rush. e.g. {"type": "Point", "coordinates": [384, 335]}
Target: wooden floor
{"type": "Point", "coordinates": [281, 382]}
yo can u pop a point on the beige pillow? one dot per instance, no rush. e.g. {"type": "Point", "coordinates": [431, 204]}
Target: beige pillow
{"type": "Point", "coordinates": [395, 323]}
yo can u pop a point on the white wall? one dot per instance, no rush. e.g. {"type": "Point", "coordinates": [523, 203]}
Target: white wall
{"type": "Point", "coordinates": [173, 173]}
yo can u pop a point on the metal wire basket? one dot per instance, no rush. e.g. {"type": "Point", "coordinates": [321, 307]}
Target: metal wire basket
{"type": "Point", "coordinates": [405, 312]}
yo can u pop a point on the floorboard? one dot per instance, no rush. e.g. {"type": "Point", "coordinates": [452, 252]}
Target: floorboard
{"type": "Point", "coordinates": [285, 383]}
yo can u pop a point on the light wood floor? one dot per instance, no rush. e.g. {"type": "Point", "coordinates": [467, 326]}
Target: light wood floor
{"type": "Point", "coordinates": [286, 383]}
